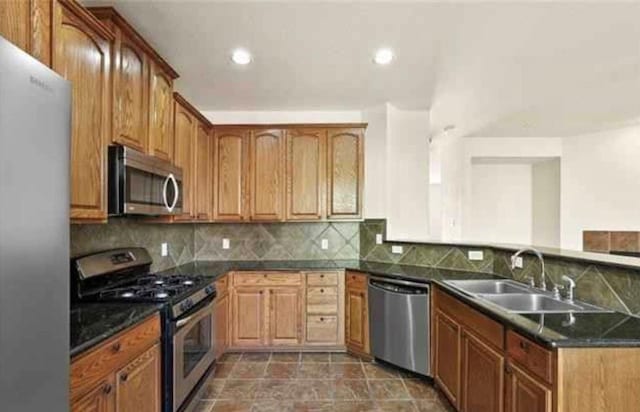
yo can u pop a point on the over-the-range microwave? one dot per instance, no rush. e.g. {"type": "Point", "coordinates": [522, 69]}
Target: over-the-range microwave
{"type": "Point", "coordinates": [140, 184]}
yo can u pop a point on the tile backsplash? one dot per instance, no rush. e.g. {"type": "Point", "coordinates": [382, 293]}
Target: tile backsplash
{"type": "Point", "coordinates": [605, 285]}
{"type": "Point", "coordinates": [258, 241]}
{"type": "Point", "coordinates": [119, 232]}
{"type": "Point", "coordinates": [420, 254]}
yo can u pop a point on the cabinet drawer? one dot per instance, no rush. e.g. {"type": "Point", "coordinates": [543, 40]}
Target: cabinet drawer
{"type": "Point", "coordinates": [322, 300]}
{"type": "Point", "coordinates": [322, 329]}
{"type": "Point", "coordinates": [222, 285]}
{"type": "Point", "coordinates": [90, 368]}
{"type": "Point", "coordinates": [356, 280]}
{"type": "Point", "coordinates": [322, 278]}
{"type": "Point", "coordinates": [267, 278]}
{"type": "Point", "coordinates": [483, 326]}
{"type": "Point", "coordinates": [531, 356]}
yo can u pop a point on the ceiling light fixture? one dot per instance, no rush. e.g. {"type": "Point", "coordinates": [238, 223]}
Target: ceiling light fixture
{"type": "Point", "coordinates": [383, 56]}
{"type": "Point", "coordinates": [241, 56]}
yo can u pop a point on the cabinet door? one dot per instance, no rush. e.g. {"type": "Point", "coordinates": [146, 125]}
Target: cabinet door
{"type": "Point", "coordinates": [184, 137]}
{"type": "Point", "coordinates": [525, 393]}
{"type": "Point", "coordinates": [482, 376]}
{"type": "Point", "coordinates": [83, 57]}
{"type": "Point", "coordinates": [229, 175]}
{"type": "Point", "coordinates": [447, 365]}
{"type": "Point", "coordinates": [99, 399]}
{"type": "Point", "coordinates": [131, 82]}
{"type": "Point", "coordinates": [345, 173]}
{"type": "Point", "coordinates": [27, 24]}
{"type": "Point", "coordinates": [160, 114]}
{"type": "Point", "coordinates": [138, 384]}
{"type": "Point", "coordinates": [249, 321]}
{"type": "Point", "coordinates": [357, 333]}
{"type": "Point", "coordinates": [202, 176]}
{"type": "Point", "coordinates": [285, 317]}
{"type": "Point", "coordinates": [305, 167]}
{"type": "Point", "coordinates": [266, 164]}
{"type": "Point", "coordinates": [222, 324]}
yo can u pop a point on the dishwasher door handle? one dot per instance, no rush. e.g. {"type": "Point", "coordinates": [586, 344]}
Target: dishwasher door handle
{"type": "Point", "coordinates": [400, 282]}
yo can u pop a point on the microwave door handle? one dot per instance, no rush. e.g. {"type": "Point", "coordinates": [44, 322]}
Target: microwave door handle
{"type": "Point", "coordinates": [164, 193]}
{"type": "Point", "coordinates": [176, 191]}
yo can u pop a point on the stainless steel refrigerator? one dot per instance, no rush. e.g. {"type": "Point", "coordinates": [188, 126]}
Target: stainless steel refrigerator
{"type": "Point", "coordinates": [35, 129]}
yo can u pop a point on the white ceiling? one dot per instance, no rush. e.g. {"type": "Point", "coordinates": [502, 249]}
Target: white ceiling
{"type": "Point", "coordinates": [493, 69]}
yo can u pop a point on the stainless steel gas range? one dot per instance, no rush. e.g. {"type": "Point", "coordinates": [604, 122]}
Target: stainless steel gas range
{"type": "Point", "coordinates": [186, 307]}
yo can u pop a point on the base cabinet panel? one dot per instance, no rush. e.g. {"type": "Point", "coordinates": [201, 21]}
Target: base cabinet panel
{"type": "Point", "coordinates": [525, 394]}
{"type": "Point", "coordinates": [248, 317]}
{"type": "Point", "coordinates": [482, 376]}
{"type": "Point", "coordinates": [285, 316]}
{"type": "Point", "coordinates": [447, 356]}
{"type": "Point", "coordinates": [102, 398]}
{"type": "Point", "coordinates": [357, 313]}
{"type": "Point", "coordinates": [138, 384]}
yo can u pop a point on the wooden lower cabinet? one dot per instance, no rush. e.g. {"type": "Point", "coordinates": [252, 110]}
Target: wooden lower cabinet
{"type": "Point", "coordinates": [357, 313]}
{"type": "Point", "coordinates": [286, 310]}
{"type": "Point", "coordinates": [248, 317]}
{"type": "Point", "coordinates": [525, 393]}
{"type": "Point", "coordinates": [101, 398]}
{"type": "Point", "coordinates": [222, 324]}
{"type": "Point", "coordinates": [447, 365]}
{"type": "Point", "coordinates": [138, 384]}
{"type": "Point", "coordinates": [121, 375]}
{"type": "Point", "coordinates": [482, 376]}
{"type": "Point", "coordinates": [285, 316]}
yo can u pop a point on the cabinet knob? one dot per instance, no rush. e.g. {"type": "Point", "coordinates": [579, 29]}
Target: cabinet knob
{"type": "Point", "coordinates": [265, 275]}
{"type": "Point", "coordinates": [353, 277]}
{"type": "Point", "coordinates": [321, 319]}
{"type": "Point", "coordinates": [124, 377]}
{"type": "Point", "coordinates": [261, 292]}
{"type": "Point", "coordinates": [271, 291]}
{"type": "Point", "coordinates": [107, 388]}
{"type": "Point", "coordinates": [508, 370]}
{"type": "Point", "coordinates": [116, 347]}
{"type": "Point", "coordinates": [524, 346]}
{"type": "Point", "coordinates": [321, 276]}
{"type": "Point", "coordinates": [321, 290]}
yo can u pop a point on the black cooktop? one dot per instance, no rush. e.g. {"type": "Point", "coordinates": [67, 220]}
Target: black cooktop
{"type": "Point", "coordinates": [153, 288]}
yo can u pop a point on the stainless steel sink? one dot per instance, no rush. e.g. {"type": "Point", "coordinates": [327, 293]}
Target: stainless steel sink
{"type": "Point", "coordinates": [488, 286]}
{"type": "Point", "coordinates": [518, 298]}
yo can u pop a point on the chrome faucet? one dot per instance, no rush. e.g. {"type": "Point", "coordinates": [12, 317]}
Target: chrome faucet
{"type": "Point", "coordinates": [571, 285]}
{"type": "Point", "coordinates": [543, 275]}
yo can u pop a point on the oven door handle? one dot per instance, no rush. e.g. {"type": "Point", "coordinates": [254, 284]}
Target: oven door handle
{"type": "Point", "coordinates": [181, 322]}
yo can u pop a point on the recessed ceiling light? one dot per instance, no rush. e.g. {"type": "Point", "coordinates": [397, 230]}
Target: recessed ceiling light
{"type": "Point", "coordinates": [383, 56]}
{"type": "Point", "coordinates": [241, 56]}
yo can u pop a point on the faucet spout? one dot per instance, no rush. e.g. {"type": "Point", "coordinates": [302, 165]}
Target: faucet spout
{"type": "Point", "coordinates": [538, 254]}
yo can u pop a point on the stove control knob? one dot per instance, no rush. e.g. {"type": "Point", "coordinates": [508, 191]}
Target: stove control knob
{"type": "Point", "coordinates": [208, 290]}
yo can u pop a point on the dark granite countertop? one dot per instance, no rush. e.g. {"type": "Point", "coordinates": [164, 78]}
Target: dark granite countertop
{"type": "Point", "coordinates": [92, 323]}
{"type": "Point", "coordinates": [551, 330]}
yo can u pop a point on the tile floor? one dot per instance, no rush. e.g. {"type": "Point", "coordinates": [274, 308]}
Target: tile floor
{"type": "Point", "coordinates": [336, 382]}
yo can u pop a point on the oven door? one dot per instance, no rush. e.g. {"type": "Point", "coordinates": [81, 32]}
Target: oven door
{"type": "Point", "coordinates": [193, 352]}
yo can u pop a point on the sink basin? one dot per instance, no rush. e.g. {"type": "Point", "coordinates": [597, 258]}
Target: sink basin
{"type": "Point", "coordinates": [536, 303]}
{"type": "Point", "coordinates": [488, 286]}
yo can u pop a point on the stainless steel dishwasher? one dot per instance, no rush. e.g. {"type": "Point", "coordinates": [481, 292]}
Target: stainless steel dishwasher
{"type": "Point", "coordinates": [399, 322]}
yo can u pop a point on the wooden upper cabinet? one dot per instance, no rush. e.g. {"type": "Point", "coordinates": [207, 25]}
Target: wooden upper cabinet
{"type": "Point", "coordinates": [305, 169]}
{"type": "Point", "coordinates": [266, 163]}
{"type": "Point", "coordinates": [160, 113]}
{"type": "Point", "coordinates": [138, 384]}
{"type": "Point", "coordinates": [230, 175]}
{"type": "Point", "coordinates": [82, 56]}
{"type": "Point", "coordinates": [130, 70]}
{"type": "Point", "coordinates": [344, 173]}
{"type": "Point", "coordinates": [185, 139]}
{"type": "Point", "coordinates": [27, 24]}
{"type": "Point", "coordinates": [203, 172]}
